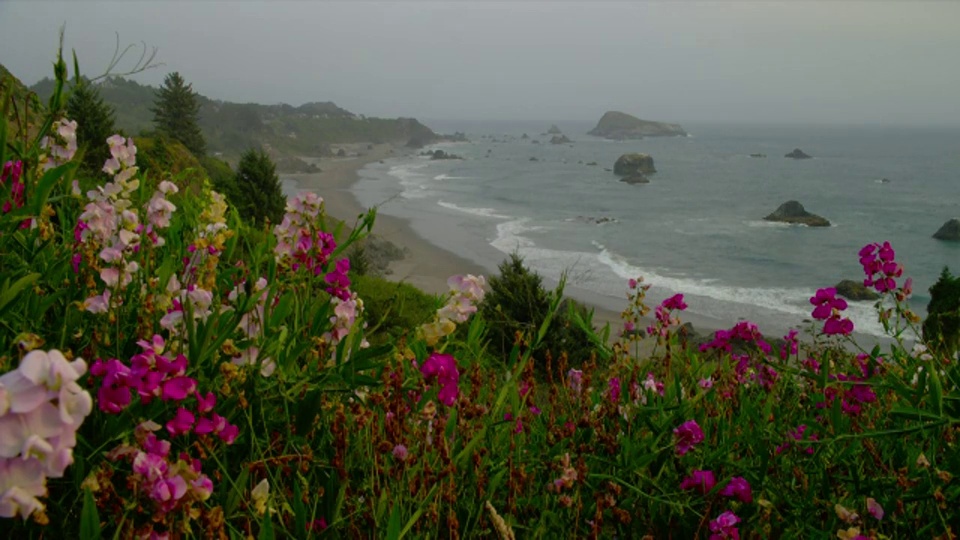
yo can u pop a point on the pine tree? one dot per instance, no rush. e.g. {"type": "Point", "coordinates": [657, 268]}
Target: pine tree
{"type": "Point", "coordinates": [258, 191]}
{"type": "Point", "coordinates": [95, 123]}
{"type": "Point", "coordinates": [941, 329]}
{"type": "Point", "coordinates": [176, 113]}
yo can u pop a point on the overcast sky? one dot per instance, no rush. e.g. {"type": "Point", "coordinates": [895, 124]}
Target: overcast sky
{"type": "Point", "coordinates": [821, 62]}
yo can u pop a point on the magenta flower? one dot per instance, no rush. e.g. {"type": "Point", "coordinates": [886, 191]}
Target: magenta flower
{"type": "Point", "coordinates": [614, 390]}
{"type": "Point", "coordinates": [443, 368]}
{"type": "Point", "coordinates": [828, 308]}
{"type": "Point", "coordinates": [880, 267]}
{"type": "Point", "coordinates": [181, 423]}
{"type": "Point", "coordinates": [701, 481]}
{"type": "Point", "coordinates": [725, 526]}
{"type": "Point", "coordinates": [874, 508]}
{"type": "Point", "coordinates": [178, 388]}
{"type": "Point", "coordinates": [205, 404]}
{"type": "Point", "coordinates": [738, 487]}
{"type": "Point", "coordinates": [688, 435]}
{"type": "Point", "coordinates": [675, 302]}
{"type": "Point", "coordinates": [400, 452]}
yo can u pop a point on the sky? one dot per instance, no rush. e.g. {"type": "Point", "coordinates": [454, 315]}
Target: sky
{"type": "Point", "coordinates": [888, 63]}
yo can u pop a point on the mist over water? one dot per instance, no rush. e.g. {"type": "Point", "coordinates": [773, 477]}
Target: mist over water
{"type": "Point", "coordinates": [697, 228]}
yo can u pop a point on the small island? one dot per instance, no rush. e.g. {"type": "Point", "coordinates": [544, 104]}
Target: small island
{"type": "Point", "coordinates": [621, 126]}
{"type": "Point", "coordinates": [798, 154]}
{"type": "Point", "coordinates": [950, 231]}
{"type": "Point", "coordinates": [793, 212]}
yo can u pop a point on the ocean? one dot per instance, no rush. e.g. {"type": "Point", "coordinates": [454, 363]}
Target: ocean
{"type": "Point", "coordinates": [697, 227]}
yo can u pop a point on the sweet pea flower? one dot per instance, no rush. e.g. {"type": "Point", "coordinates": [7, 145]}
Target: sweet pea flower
{"type": "Point", "coordinates": [443, 368]}
{"type": "Point", "coordinates": [575, 376]}
{"type": "Point", "coordinates": [725, 526]}
{"type": "Point", "coordinates": [181, 423]}
{"type": "Point", "coordinates": [738, 487]}
{"type": "Point", "coordinates": [874, 508]}
{"type": "Point", "coordinates": [688, 435]}
{"type": "Point", "coordinates": [700, 481]}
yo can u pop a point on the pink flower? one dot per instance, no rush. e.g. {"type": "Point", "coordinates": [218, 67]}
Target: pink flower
{"type": "Point", "coordinates": [874, 508]}
{"type": "Point", "coordinates": [181, 423]}
{"type": "Point", "coordinates": [675, 302]}
{"type": "Point", "coordinates": [614, 390]}
{"type": "Point", "coordinates": [828, 308]}
{"type": "Point", "coordinates": [178, 388]}
{"type": "Point", "coordinates": [575, 376]}
{"type": "Point", "coordinates": [443, 367]}
{"type": "Point", "coordinates": [205, 404]}
{"type": "Point", "coordinates": [701, 481]}
{"type": "Point", "coordinates": [688, 435]}
{"type": "Point", "coordinates": [738, 487]}
{"type": "Point", "coordinates": [725, 526]}
{"type": "Point", "coordinates": [400, 452]}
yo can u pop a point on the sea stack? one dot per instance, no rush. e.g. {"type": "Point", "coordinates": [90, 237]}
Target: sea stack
{"type": "Point", "coordinates": [619, 126]}
{"type": "Point", "coordinates": [950, 231]}
{"type": "Point", "coordinates": [798, 154]}
{"type": "Point", "coordinates": [634, 164]}
{"type": "Point", "coordinates": [793, 212]}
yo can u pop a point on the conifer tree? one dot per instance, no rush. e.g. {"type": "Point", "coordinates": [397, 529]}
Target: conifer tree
{"type": "Point", "coordinates": [95, 123]}
{"type": "Point", "coordinates": [176, 113]}
{"type": "Point", "coordinates": [941, 329]}
{"type": "Point", "coordinates": [258, 194]}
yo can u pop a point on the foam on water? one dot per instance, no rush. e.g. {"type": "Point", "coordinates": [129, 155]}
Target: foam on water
{"type": "Point", "coordinates": [482, 212]}
{"type": "Point", "coordinates": [413, 182]}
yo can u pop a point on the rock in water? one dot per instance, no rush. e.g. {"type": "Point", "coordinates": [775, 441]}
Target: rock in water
{"type": "Point", "coordinates": [632, 164]}
{"type": "Point", "coordinates": [638, 178]}
{"type": "Point", "coordinates": [560, 139]}
{"type": "Point", "coordinates": [554, 130]}
{"type": "Point", "coordinates": [855, 290]}
{"type": "Point", "coordinates": [798, 154]}
{"type": "Point", "coordinates": [793, 212]}
{"type": "Point", "coordinates": [950, 231]}
{"type": "Point", "coordinates": [617, 125]}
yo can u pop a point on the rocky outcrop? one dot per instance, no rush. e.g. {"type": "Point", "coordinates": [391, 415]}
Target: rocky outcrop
{"type": "Point", "coordinates": [793, 212]}
{"type": "Point", "coordinates": [525, 136]}
{"type": "Point", "coordinates": [950, 231]}
{"type": "Point", "coordinates": [554, 130]}
{"type": "Point", "coordinates": [798, 154]}
{"type": "Point", "coordinates": [855, 290]}
{"type": "Point", "coordinates": [633, 164]}
{"type": "Point", "coordinates": [440, 154]}
{"type": "Point", "coordinates": [560, 139]}
{"type": "Point", "coordinates": [758, 155]}
{"type": "Point", "coordinates": [638, 178]}
{"type": "Point", "coordinates": [619, 126]}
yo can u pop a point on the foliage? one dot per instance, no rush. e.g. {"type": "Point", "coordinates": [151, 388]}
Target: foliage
{"type": "Point", "coordinates": [222, 177]}
{"type": "Point", "coordinates": [176, 111]}
{"type": "Point", "coordinates": [942, 327]}
{"type": "Point", "coordinates": [393, 309]}
{"type": "Point", "coordinates": [166, 370]}
{"type": "Point", "coordinates": [259, 196]}
{"type": "Point", "coordinates": [95, 121]}
{"type": "Point", "coordinates": [518, 304]}
{"type": "Point", "coordinates": [165, 158]}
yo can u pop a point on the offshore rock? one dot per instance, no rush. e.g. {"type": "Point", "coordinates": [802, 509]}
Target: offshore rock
{"type": "Point", "coordinates": [619, 126]}
{"type": "Point", "coordinates": [855, 290]}
{"type": "Point", "coordinates": [798, 154]}
{"type": "Point", "coordinates": [793, 212]}
{"type": "Point", "coordinates": [632, 164]}
{"type": "Point", "coordinates": [950, 231]}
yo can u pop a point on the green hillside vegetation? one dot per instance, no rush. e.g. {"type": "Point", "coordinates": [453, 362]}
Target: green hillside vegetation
{"type": "Point", "coordinates": [20, 97]}
{"type": "Point", "coordinates": [284, 131]}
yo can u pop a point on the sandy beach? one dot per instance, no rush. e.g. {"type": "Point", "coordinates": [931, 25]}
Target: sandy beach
{"type": "Point", "coordinates": [425, 265]}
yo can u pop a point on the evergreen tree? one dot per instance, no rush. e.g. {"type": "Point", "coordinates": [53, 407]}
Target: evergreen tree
{"type": "Point", "coordinates": [518, 302]}
{"type": "Point", "coordinates": [176, 112]}
{"type": "Point", "coordinates": [258, 195]}
{"type": "Point", "coordinates": [941, 329]}
{"type": "Point", "coordinates": [95, 123]}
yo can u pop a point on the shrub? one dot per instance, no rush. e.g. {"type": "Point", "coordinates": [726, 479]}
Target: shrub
{"type": "Point", "coordinates": [393, 309]}
{"type": "Point", "coordinates": [517, 302]}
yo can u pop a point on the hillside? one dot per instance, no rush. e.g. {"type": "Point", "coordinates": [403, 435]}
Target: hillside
{"type": "Point", "coordinates": [19, 94]}
{"type": "Point", "coordinates": [284, 130]}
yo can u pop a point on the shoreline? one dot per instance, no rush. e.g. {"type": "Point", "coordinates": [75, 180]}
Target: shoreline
{"type": "Point", "coordinates": [427, 266]}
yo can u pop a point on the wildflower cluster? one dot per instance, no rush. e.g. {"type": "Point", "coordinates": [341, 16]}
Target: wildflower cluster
{"type": "Point", "coordinates": [465, 293]}
{"type": "Point", "coordinates": [665, 318]}
{"type": "Point", "coordinates": [41, 408]}
{"type": "Point", "coordinates": [13, 173]}
{"type": "Point", "coordinates": [828, 308]}
{"type": "Point", "coordinates": [60, 145]}
{"type": "Point", "coordinates": [302, 245]}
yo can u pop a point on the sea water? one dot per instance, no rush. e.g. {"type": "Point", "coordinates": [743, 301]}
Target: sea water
{"type": "Point", "coordinates": [697, 228]}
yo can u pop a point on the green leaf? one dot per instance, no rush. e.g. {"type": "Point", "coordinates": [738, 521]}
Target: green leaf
{"type": "Point", "coordinates": [10, 293]}
{"type": "Point", "coordinates": [266, 528]}
{"type": "Point", "coordinates": [89, 518]}
{"type": "Point", "coordinates": [395, 523]}
{"type": "Point", "coordinates": [936, 389]}
{"type": "Point", "coordinates": [233, 498]}
{"type": "Point", "coordinates": [46, 184]}
{"type": "Point", "coordinates": [283, 309]}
